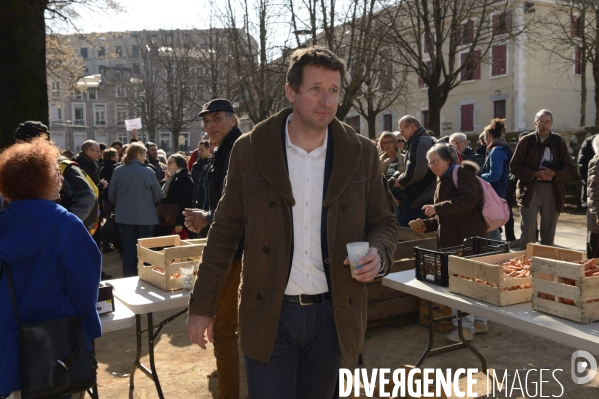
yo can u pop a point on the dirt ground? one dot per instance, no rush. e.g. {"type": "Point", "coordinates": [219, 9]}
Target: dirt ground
{"type": "Point", "coordinates": [186, 371]}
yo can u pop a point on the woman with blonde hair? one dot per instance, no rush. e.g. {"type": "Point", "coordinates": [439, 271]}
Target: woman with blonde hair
{"type": "Point", "coordinates": [391, 159]}
{"type": "Point", "coordinates": [134, 190]}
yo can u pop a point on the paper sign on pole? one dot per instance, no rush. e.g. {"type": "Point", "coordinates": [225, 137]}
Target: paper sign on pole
{"type": "Point", "coordinates": [131, 124]}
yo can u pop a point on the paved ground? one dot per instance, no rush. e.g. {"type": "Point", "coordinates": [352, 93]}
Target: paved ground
{"type": "Point", "coordinates": [188, 372]}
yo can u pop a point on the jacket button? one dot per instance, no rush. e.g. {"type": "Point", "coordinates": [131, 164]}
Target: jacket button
{"type": "Point", "coordinates": [351, 300]}
{"type": "Point", "coordinates": [273, 204]}
{"type": "Point", "coordinates": [327, 261]}
{"type": "Point", "coordinates": [265, 250]}
{"type": "Point", "coordinates": [336, 308]}
{"type": "Point", "coordinates": [259, 296]}
{"type": "Point", "coordinates": [344, 208]}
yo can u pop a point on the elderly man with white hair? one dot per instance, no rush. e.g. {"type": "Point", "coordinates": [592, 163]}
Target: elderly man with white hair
{"type": "Point", "coordinates": [460, 142]}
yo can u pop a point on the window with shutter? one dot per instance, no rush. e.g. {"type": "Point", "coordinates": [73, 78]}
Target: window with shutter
{"type": "Point", "coordinates": [502, 23]}
{"type": "Point", "coordinates": [467, 118]}
{"type": "Point", "coordinates": [354, 122]}
{"type": "Point", "coordinates": [499, 60]}
{"type": "Point", "coordinates": [471, 70]}
{"type": "Point", "coordinates": [575, 28]}
{"type": "Point", "coordinates": [425, 120]}
{"type": "Point", "coordinates": [499, 109]}
{"type": "Point", "coordinates": [388, 122]}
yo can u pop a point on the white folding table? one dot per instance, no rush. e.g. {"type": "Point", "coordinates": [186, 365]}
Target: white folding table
{"type": "Point", "coordinates": [143, 298]}
{"type": "Point", "coordinates": [520, 316]}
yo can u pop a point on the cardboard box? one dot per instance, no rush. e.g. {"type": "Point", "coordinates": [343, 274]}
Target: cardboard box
{"type": "Point", "coordinates": [105, 298]}
{"type": "Point", "coordinates": [159, 260]}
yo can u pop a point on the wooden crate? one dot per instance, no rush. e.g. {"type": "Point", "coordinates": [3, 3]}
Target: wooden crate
{"type": "Point", "coordinates": [488, 268]}
{"type": "Point", "coordinates": [174, 254]}
{"type": "Point", "coordinates": [548, 276]}
{"type": "Point", "coordinates": [438, 311]}
{"type": "Point", "coordinates": [389, 306]}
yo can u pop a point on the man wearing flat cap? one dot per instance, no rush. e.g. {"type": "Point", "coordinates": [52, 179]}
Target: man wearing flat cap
{"type": "Point", "coordinates": [220, 123]}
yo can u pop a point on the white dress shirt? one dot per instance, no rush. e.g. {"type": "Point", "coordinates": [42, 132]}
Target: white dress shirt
{"type": "Point", "coordinates": [306, 173]}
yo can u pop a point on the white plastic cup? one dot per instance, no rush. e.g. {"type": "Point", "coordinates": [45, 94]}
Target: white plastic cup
{"type": "Point", "coordinates": [187, 277]}
{"type": "Point", "coordinates": [355, 252]}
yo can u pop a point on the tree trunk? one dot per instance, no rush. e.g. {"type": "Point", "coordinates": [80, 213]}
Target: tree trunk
{"type": "Point", "coordinates": [23, 87]}
{"type": "Point", "coordinates": [435, 104]}
{"type": "Point", "coordinates": [371, 119]}
{"type": "Point", "coordinates": [583, 92]}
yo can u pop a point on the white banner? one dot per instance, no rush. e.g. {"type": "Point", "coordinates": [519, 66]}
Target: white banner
{"type": "Point", "coordinates": [131, 124]}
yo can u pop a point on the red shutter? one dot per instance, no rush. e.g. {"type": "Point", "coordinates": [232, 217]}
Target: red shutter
{"type": "Point", "coordinates": [464, 71]}
{"type": "Point", "coordinates": [496, 24]}
{"type": "Point", "coordinates": [420, 82]}
{"type": "Point", "coordinates": [476, 60]}
{"type": "Point", "coordinates": [499, 60]}
{"type": "Point", "coordinates": [425, 47]}
{"type": "Point", "coordinates": [508, 21]}
{"type": "Point", "coordinates": [469, 31]}
{"type": "Point", "coordinates": [573, 26]}
{"type": "Point", "coordinates": [578, 62]}
{"type": "Point", "coordinates": [467, 116]}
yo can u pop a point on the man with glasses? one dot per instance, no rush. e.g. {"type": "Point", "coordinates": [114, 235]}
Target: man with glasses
{"type": "Point", "coordinates": [460, 142]}
{"type": "Point", "coordinates": [417, 181]}
{"type": "Point", "coordinates": [542, 164]}
{"type": "Point", "coordinates": [221, 125]}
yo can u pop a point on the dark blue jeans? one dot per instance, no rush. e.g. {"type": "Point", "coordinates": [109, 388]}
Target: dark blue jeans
{"type": "Point", "coordinates": [305, 360]}
{"type": "Point", "coordinates": [129, 235]}
{"type": "Point", "coordinates": [410, 214]}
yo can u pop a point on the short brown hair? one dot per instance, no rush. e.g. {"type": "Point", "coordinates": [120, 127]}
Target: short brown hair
{"type": "Point", "coordinates": [109, 153]}
{"type": "Point", "coordinates": [315, 55]}
{"type": "Point", "coordinates": [28, 169]}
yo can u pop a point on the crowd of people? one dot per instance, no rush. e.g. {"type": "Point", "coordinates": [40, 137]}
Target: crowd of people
{"type": "Point", "coordinates": [278, 198]}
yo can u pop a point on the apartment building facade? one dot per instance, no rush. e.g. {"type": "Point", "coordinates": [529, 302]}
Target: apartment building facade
{"type": "Point", "coordinates": [108, 94]}
{"type": "Point", "coordinates": [516, 80]}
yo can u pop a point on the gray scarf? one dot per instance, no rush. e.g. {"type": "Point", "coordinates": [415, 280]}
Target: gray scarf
{"type": "Point", "coordinates": [167, 183]}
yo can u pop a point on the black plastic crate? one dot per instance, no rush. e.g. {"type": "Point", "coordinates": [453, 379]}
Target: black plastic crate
{"type": "Point", "coordinates": [432, 264]}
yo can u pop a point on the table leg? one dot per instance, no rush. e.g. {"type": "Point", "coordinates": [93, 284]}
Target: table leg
{"type": "Point", "coordinates": [151, 338]}
{"type": "Point", "coordinates": [137, 362]}
{"type": "Point", "coordinates": [430, 351]}
{"type": "Point", "coordinates": [152, 373]}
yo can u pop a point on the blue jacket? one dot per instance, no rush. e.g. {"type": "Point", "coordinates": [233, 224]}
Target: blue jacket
{"type": "Point", "coordinates": [55, 267]}
{"type": "Point", "coordinates": [134, 190]}
{"type": "Point", "coordinates": [496, 169]}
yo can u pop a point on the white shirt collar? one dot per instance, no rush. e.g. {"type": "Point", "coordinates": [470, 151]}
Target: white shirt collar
{"type": "Point", "coordinates": [317, 152]}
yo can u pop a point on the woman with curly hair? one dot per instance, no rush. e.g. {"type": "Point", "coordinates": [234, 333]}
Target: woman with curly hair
{"type": "Point", "coordinates": [54, 263]}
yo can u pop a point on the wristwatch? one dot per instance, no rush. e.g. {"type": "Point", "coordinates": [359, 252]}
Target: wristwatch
{"type": "Point", "coordinates": [381, 272]}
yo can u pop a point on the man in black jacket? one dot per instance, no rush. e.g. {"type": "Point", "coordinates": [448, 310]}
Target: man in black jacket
{"type": "Point", "coordinates": [152, 159]}
{"type": "Point", "coordinates": [585, 154]}
{"type": "Point", "coordinates": [417, 183]}
{"type": "Point", "coordinates": [220, 123]}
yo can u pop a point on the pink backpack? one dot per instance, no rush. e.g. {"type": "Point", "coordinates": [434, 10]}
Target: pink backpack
{"type": "Point", "coordinates": [495, 210]}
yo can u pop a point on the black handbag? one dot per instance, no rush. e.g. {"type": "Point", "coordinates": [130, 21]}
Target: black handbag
{"type": "Point", "coordinates": [54, 358]}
